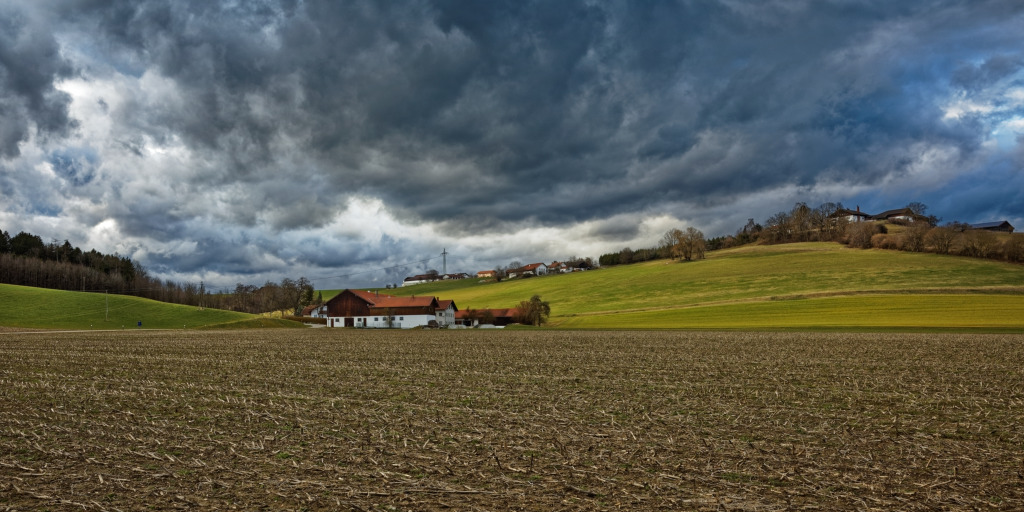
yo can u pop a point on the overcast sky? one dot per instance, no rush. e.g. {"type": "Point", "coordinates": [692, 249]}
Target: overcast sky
{"type": "Point", "coordinates": [251, 140]}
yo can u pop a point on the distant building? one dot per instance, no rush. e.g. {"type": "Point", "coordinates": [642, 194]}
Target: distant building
{"type": "Point", "coordinates": [850, 215]}
{"type": "Point", "coordinates": [899, 214]}
{"type": "Point", "coordinates": [533, 269]}
{"type": "Point", "coordinates": [1001, 226]}
{"type": "Point", "coordinates": [486, 317]}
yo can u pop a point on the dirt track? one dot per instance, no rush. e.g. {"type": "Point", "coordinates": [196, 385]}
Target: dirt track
{"type": "Point", "coordinates": [360, 420]}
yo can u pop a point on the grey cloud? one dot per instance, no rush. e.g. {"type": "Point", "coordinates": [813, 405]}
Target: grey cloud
{"type": "Point", "coordinates": [490, 116]}
{"type": "Point", "coordinates": [30, 62]}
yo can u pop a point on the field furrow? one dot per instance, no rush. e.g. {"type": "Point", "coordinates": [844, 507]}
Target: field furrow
{"type": "Point", "coordinates": [520, 420]}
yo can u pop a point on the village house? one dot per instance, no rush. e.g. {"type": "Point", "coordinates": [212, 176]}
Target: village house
{"type": "Point", "coordinates": [850, 215]}
{"type": "Point", "coordinates": [358, 308]}
{"type": "Point", "coordinates": [314, 311]}
{"type": "Point", "coordinates": [486, 273]}
{"type": "Point", "coordinates": [429, 278]}
{"type": "Point", "coordinates": [423, 278]}
{"type": "Point", "coordinates": [533, 269]}
{"type": "Point", "coordinates": [899, 214]}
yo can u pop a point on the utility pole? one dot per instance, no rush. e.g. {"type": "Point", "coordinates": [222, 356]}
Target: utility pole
{"type": "Point", "coordinates": [444, 262]}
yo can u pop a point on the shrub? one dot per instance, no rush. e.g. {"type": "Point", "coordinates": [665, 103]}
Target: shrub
{"type": "Point", "coordinates": [912, 239]}
{"type": "Point", "coordinates": [978, 244]}
{"type": "Point", "coordinates": [858, 234]}
{"type": "Point", "coordinates": [883, 241]}
{"type": "Point", "coordinates": [1013, 248]}
{"type": "Point", "coordinates": [941, 239]}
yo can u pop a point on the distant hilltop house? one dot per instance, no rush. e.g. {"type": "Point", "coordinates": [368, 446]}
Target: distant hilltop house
{"type": "Point", "coordinates": [897, 215]}
{"type": "Point", "coordinates": [486, 273]}
{"type": "Point", "coordinates": [358, 308]}
{"type": "Point", "coordinates": [562, 267]}
{"type": "Point", "coordinates": [1000, 226]}
{"type": "Point", "coordinates": [850, 215]}
{"type": "Point", "coordinates": [429, 278]}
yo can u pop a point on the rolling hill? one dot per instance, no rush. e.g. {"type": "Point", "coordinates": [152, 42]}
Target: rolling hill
{"type": "Point", "coordinates": [817, 286]}
{"type": "Point", "coordinates": [805, 286]}
{"type": "Point", "coordinates": [39, 308]}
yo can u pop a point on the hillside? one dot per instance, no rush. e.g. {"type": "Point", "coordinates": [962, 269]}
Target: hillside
{"type": "Point", "coordinates": [40, 308]}
{"type": "Point", "coordinates": [819, 286]}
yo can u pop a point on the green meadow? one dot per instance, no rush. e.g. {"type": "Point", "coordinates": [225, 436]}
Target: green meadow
{"type": "Point", "coordinates": [808, 286]}
{"type": "Point", "coordinates": [40, 308]}
{"type": "Point", "coordinates": [812, 286]}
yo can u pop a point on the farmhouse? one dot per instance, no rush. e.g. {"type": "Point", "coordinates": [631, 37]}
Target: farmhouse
{"type": "Point", "coordinates": [899, 214]}
{"type": "Point", "coordinates": [429, 278]}
{"type": "Point", "coordinates": [533, 269]}
{"type": "Point", "coordinates": [314, 311]}
{"type": "Point", "coordinates": [357, 308]}
{"type": "Point", "coordinates": [486, 273]}
{"type": "Point", "coordinates": [422, 278]}
{"type": "Point", "coordinates": [1001, 226]}
{"type": "Point", "coordinates": [850, 215]}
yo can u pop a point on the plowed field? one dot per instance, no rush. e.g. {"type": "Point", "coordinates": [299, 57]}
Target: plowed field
{"type": "Point", "coordinates": [325, 419]}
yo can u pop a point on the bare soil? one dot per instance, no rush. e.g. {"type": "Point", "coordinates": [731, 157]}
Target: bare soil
{"type": "Point", "coordinates": [331, 419]}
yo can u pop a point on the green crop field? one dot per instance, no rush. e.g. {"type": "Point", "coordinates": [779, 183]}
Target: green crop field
{"type": "Point", "coordinates": [821, 286]}
{"type": "Point", "coordinates": [40, 308]}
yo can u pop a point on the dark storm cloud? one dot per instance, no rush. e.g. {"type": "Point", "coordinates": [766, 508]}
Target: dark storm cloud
{"type": "Point", "coordinates": [487, 116]}
{"type": "Point", "coordinates": [530, 98]}
{"type": "Point", "coordinates": [30, 62]}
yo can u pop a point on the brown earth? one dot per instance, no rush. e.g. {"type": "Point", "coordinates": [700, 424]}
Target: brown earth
{"type": "Point", "coordinates": [329, 419]}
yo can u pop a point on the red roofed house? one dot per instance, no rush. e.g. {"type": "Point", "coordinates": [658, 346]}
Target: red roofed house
{"type": "Point", "coordinates": [357, 308]}
{"type": "Point", "coordinates": [533, 269]}
{"type": "Point", "coordinates": [445, 312]}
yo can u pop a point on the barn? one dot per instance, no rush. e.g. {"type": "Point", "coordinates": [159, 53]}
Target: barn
{"type": "Point", "coordinates": [1001, 226]}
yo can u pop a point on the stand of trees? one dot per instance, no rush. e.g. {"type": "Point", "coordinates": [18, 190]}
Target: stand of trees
{"type": "Point", "coordinates": [952, 238]}
{"type": "Point", "coordinates": [688, 244]}
{"type": "Point", "coordinates": [533, 312]}
{"type": "Point", "coordinates": [27, 261]}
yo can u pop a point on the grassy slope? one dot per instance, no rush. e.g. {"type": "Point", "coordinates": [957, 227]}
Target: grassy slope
{"type": "Point", "coordinates": [811, 285]}
{"type": "Point", "coordinates": [55, 309]}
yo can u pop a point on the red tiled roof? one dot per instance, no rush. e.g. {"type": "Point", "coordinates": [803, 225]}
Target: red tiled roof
{"type": "Point", "coordinates": [387, 301]}
{"type": "Point", "coordinates": [443, 304]}
{"type": "Point", "coordinates": [368, 296]}
{"type": "Point", "coordinates": [496, 313]}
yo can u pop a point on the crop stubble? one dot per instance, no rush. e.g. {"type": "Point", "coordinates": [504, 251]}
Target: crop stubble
{"type": "Point", "coordinates": [430, 420]}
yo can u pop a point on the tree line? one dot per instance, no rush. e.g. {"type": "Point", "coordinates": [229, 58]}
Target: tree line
{"type": "Point", "coordinates": [677, 244]}
{"type": "Point", "coordinates": [26, 260]}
